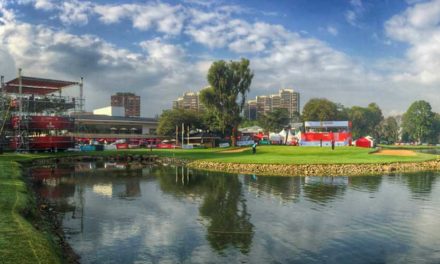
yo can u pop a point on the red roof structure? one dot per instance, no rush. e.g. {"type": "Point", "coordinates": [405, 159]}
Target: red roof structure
{"type": "Point", "coordinates": [364, 142]}
{"type": "Point", "coordinates": [39, 86]}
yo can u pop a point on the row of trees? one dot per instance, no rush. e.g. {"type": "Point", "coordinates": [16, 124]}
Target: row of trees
{"type": "Point", "coordinates": [418, 124]}
{"type": "Point", "coordinates": [229, 84]}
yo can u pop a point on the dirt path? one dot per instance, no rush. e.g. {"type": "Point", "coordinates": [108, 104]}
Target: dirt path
{"type": "Point", "coordinates": [396, 152]}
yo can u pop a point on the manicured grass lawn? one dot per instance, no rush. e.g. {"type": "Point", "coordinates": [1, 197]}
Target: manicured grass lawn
{"type": "Point", "coordinates": [20, 242]}
{"type": "Point", "coordinates": [292, 155]}
{"type": "Point", "coordinates": [265, 155]}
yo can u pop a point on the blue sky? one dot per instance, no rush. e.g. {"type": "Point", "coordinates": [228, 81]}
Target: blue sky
{"type": "Point", "coordinates": [350, 51]}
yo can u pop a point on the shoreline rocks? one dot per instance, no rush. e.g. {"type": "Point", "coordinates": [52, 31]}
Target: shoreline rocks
{"type": "Point", "coordinates": [316, 169]}
{"type": "Point", "coordinates": [260, 169]}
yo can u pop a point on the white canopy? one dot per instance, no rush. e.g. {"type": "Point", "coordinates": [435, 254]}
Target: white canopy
{"type": "Point", "coordinates": [252, 129]}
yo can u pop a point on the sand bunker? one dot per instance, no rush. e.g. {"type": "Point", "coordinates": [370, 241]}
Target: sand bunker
{"type": "Point", "coordinates": [235, 150]}
{"type": "Point", "coordinates": [395, 152]}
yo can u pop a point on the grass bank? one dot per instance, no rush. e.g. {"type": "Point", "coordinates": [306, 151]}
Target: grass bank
{"type": "Point", "coordinates": [265, 155]}
{"type": "Point", "coordinates": [20, 241]}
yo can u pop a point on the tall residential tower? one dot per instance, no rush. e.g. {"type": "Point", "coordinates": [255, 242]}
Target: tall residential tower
{"type": "Point", "coordinates": [285, 99]}
{"type": "Point", "coordinates": [130, 101]}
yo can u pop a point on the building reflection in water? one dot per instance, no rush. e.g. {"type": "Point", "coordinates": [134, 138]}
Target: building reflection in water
{"type": "Point", "coordinates": [63, 186]}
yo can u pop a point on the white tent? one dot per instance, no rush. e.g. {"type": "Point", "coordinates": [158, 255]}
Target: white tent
{"type": "Point", "coordinates": [276, 137]}
{"type": "Point", "coordinates": [252, 129]}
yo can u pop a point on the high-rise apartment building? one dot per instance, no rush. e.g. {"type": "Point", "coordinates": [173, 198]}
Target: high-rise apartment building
{"type": "Point", "coordinates": [130, 102]}
{"type": "Point", "coordinates": [189, 101]}
{"type": "Point", "coordinates": [285, 99]}
{"type": "Point", "coordinates": [250, 110]}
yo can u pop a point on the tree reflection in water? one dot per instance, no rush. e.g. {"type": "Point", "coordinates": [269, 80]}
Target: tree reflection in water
{"type": "Point", "coordinates": [323, 190]}
{"type": "Point", "coordinates": [370, 184]}
{"type": "Point", "coordinates": [223, 206]}
{"type": "Point", "coordinates": [226, 210]}
{"type": "Point", "coordinates": [420, 184]}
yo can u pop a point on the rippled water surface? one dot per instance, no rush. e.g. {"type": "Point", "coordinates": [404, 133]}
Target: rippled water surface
{"type": "Point", "coordinates": [112, 214]}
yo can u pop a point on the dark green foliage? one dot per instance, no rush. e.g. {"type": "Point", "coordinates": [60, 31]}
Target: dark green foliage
{"type": "Point", "coordinates": [389, 129]}
{"type": "Point", "coordinates": [366, 120]}
{"type": "Point", "coordinates": [418, 123]}
{"type": "Point", "coordinates": [229, 83]}
{"type": "Point", "coordinates": [169, 119]}
{"type": "Point", "coordinates": [321, 109]}
{"type": "Point", "coordinates": [275, 120]}
{"type": "Point", "coordinates": [249, 123]}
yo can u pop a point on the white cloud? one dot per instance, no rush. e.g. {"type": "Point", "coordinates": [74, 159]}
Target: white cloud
{"type": "Point", "coordinates": [44, 4]}
{"type": "Point", "coordinates": [419, 27]}
{"type": "Point", "coordinates": [6, 15]}
{"type": "Point", "coordinates": [159, 72]}
{"type": "Point", "coordinates": [332, 30]}
{"type": "Point", "coordinates": [163, 17]}
{"type": "Point", "coordinates": [352, 16]}
{"type": "Point", "coordinates": [160, 52]}
{"type": "Point", "coordinates": [75, 12]}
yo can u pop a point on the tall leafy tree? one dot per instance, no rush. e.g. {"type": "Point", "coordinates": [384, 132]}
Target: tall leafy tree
{"type": "Point", "coordinates": [229, 84]}
{"type": "Point", "coordinates": [358, 118]}
{"type": "Point", "coordinates": [436, 135]}
{"type": "Point", "coordinates": [366, 120]}
{"type": "Point", "coordinates": [320, 109]}
{"type": "Point", "coordinates": [389, 130]}
{"type": "Point", "coordinates": [275, 120]}
{"type": "Point", "coordinates": [374, 117]}
{"type": "Point", "coordinates": [418, 121]}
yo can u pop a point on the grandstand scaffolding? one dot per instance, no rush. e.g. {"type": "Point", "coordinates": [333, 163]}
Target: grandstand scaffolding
{"type": "Point", "coordinates": [36, 115]}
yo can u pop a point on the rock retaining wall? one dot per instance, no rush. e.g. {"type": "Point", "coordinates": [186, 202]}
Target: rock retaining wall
{"type": "Point", "coordinates": [316, 169]}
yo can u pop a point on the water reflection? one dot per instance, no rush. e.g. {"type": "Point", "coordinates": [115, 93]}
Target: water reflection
{"type": "Point", "coordinates": [287, 189]}
{"type": "Point", "coordinates": [324, 189]}
{"type": "Point", "coordinates": [222, 206]}
{"type": "Point", "coordinates": [116, 213]}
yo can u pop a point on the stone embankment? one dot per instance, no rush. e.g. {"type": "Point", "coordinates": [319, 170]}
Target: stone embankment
{"type": "Point", "coordinates": [316, 169]}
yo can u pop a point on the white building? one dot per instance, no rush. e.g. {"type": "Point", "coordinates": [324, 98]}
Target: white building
{"type": "Point", "coordinates": [110, 111]}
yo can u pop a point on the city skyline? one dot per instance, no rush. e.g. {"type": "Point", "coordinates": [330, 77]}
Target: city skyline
{"type": "Point", "coordinates": [351, 52]}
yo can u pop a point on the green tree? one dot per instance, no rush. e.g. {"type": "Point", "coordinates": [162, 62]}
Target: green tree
{"type": "Point", "coordinates": [169, 119]}
{"type": "Point", "coordinates": [374, 118]}
{"type": "Point", "coordinates": [418, 121]}
{"type": "Point", "coordinates": [248, 123]}
{"type": "Point", "coordinates": [320, 109]}
{"type": "Point", "coordinates": [229, 84]}
{"type": "Point", "coordinates": [275, 120]}
{"type": "Point", "coordinates": [389, 129]}
{"type": "Point", "coordinates": [358, 118]}
{"type": "Point", "coordinates": [365, 120]}
{"type": "Point", "coordinates": [435, 135]}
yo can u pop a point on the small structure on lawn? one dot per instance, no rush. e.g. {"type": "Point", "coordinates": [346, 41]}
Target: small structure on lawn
{"type": "Point", "coordinates": [365, 142]}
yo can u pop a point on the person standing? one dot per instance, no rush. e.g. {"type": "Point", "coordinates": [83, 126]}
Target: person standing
{"type": "Point", "coordinates": [254, 148]}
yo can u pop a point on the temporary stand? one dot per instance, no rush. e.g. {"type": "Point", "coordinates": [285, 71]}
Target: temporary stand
{"type": "Point", "coordinates": [39, 112]}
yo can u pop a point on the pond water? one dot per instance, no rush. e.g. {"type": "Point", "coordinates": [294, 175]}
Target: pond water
{"type": "Point", "coordinates": [430, 151]}
{"type": "Point", "coordinates": [112, 214]}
